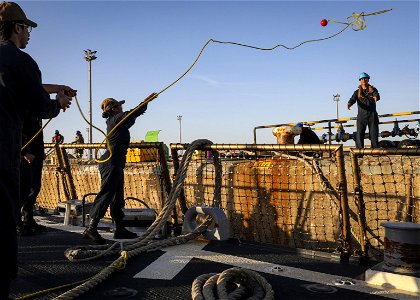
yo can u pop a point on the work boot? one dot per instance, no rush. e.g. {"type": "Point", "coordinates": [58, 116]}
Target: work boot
{"type": "Point", "coordinates": [122, 233]}
{"type": "Point", "coordinates": [39, 228]}
{"type": "Point", "coordinates": [92, 234]}
{"type": "Point", "coordinates": [35, 226]}
{"type": "Point", "coordinates": [24, 230]}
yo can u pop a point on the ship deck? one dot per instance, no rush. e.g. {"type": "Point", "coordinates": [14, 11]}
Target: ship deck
{"type": "Point", "coordinates": [168, 273]}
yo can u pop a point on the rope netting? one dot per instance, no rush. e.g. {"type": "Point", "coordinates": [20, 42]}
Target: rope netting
{"type": "Point", "coordinates": [142, 176]}
{"type": "Point", "coordinates": [277, 200]}
{"type": "Point", "coordinates": [385, 190]}
{"type": "Point", "coordinates": [276, 197]}
{"type": "Point", "coordinates": [272, 194]}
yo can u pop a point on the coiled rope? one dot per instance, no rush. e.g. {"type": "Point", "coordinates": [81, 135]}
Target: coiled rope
{"type": "Point", "coordinates": [357, 20]}
{"type": "Point", "coordinates": [143, 243]}
{"type": "Point", "coordinates": [233, 283]}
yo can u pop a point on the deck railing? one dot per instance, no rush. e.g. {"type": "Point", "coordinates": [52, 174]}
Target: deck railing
{"type": "Point", "coordinates": [296, 196]}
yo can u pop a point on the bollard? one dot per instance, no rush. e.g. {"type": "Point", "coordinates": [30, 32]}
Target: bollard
{"type": "Point", "coordinates": [402, 247]}
{"type": "Point", "coordinates": [67, 213]}
{"type": "Point", "coordinates": [221, 230]}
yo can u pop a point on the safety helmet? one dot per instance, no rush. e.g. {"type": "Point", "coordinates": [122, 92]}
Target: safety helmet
{"type": "Point", "coordinates": [363, 75]}
{"type": "Point", "coordinates": [109, 103]}
{"type": "Point", "coordinates": [57, 132]}
{"type": "Point", "coordinates": [299, 125]}
{"type": "Point", "coordinates": [78, 132]}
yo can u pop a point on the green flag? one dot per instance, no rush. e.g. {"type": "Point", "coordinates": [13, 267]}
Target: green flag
{"type": "Point", "coordinates": [152, 136]}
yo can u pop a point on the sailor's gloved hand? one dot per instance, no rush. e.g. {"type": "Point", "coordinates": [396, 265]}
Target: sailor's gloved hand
{"type": "Point", "coordinates": [63, 99]}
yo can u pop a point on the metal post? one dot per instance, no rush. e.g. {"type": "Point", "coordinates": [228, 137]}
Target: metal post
{"type": "Point", "coordinates": [344, 204]}
{"type": "Point", "coordinates": [88, 133]}
{"type": "Point", "coordinates": [89, 56]}
{"type": "Point", "coordinates": [180, 136]}
{"type": "Point", "coordinates": [358, 197]}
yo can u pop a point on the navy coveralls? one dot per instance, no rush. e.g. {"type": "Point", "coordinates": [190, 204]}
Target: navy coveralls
{"type": "Point", "coordinates": [21, 94]}
{"type": "Point", "coordinates": [366, 116]}
{"type": "Point", "coordinates": [112, 171]}
{"type": "Point", "coordinates": [30, 173]}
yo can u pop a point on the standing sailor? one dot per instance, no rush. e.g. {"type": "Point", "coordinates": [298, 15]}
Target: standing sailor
{"type": "Point", "coordinates": [366, 97]}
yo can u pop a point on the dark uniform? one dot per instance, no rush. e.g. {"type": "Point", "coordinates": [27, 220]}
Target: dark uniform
{"type": "Point", "coordinates": [308, 136]}
{"type": "Point", "coordinates": [366, 115]}
{"type": "Point", "coordinates": [112, 171]}
{"type": "Point", "coordinates": [78, 152]}
{"type": "Point", "coordinates": [21, 92]}
{"type": "Point", "coordinates": [57, 138]}
{"type": "Point", "coordinates": [30, 174]}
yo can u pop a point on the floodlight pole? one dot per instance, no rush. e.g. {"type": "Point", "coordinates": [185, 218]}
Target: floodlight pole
{"type": "Point", "coordinates": [179, 118]}
{"type": "Point", "coordinates": [89, 56]}
{"type": "Point", "coordinates": [336, 98]}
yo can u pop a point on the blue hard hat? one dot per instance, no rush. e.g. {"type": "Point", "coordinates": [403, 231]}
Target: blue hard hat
{"type": "Point", "coordinates": [57, 131]}
{"type": "Point", "coordinates": [78, 132]}
{"type": "Point", "coordinates": [363, 75]}
{"type": "Point", "coordinates": [299, 125]}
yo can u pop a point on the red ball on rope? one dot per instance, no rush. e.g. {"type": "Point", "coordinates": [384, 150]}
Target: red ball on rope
{"type": "Point", "coordinates": [324, 22]}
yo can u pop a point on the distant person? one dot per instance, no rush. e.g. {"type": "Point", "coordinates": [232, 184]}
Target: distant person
{"type": "Point", "coordinates": [58, 138]}
{"type": "Point", "coordinates": [31, 168]}
{"type": "Point", "coordinates": [78, 139]}
{"type": "Point", "coordinates": [112, 171]}
{"type": "Point", "coordinates": [21, 94]}
{"type": "Point", "coordinates": [366, 97]}
{"type": "Point", "coordinates": [308, 136]}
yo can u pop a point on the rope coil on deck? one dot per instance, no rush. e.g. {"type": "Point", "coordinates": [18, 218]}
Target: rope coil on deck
{"type": "Point", "coordinates": [233, 283]}
{"type": "Point", "coordinates": [143, 243]}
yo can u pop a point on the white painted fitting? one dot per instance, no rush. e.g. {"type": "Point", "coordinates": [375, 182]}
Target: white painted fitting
{"type": "Point", "coordinates": [402, 247]}
{"type": "Point", "coordinates": [221, 228]}
{"type": "Point", "coordinates": [67, 213]}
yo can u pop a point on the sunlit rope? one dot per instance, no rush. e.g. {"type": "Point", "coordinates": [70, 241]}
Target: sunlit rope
{"type": "Point", "coordinates": [106, 136]}
{"type": "Point", "coordinates": [36, 134]}
{"type": "Point", "coordinates": [121, 264]}
{"type": "Point", "coordinates": [356, 22]}
{"type": "Point", "coordinates": [144, 243]}
{"type": "Point", "coordinates": [46, 291]}
{"type": "Point", "coordinates": [233, 283]}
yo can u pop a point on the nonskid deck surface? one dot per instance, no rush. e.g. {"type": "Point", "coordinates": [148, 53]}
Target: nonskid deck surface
{"type": "Point", "coordinates": [168, 273]}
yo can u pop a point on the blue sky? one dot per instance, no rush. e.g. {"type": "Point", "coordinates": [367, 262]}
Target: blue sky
{"type": "Point", "coordinates": [143, 46]}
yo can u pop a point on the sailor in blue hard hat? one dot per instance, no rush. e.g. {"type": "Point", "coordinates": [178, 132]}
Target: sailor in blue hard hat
{"type": "Point", "coordinates": [364, 75]}
{"type": "Point", "coordinates": [57, 138]}
{"type": "Point", "coordinates": [79, 139]}
{"type": "Point", "coordinates": [366, 97]}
